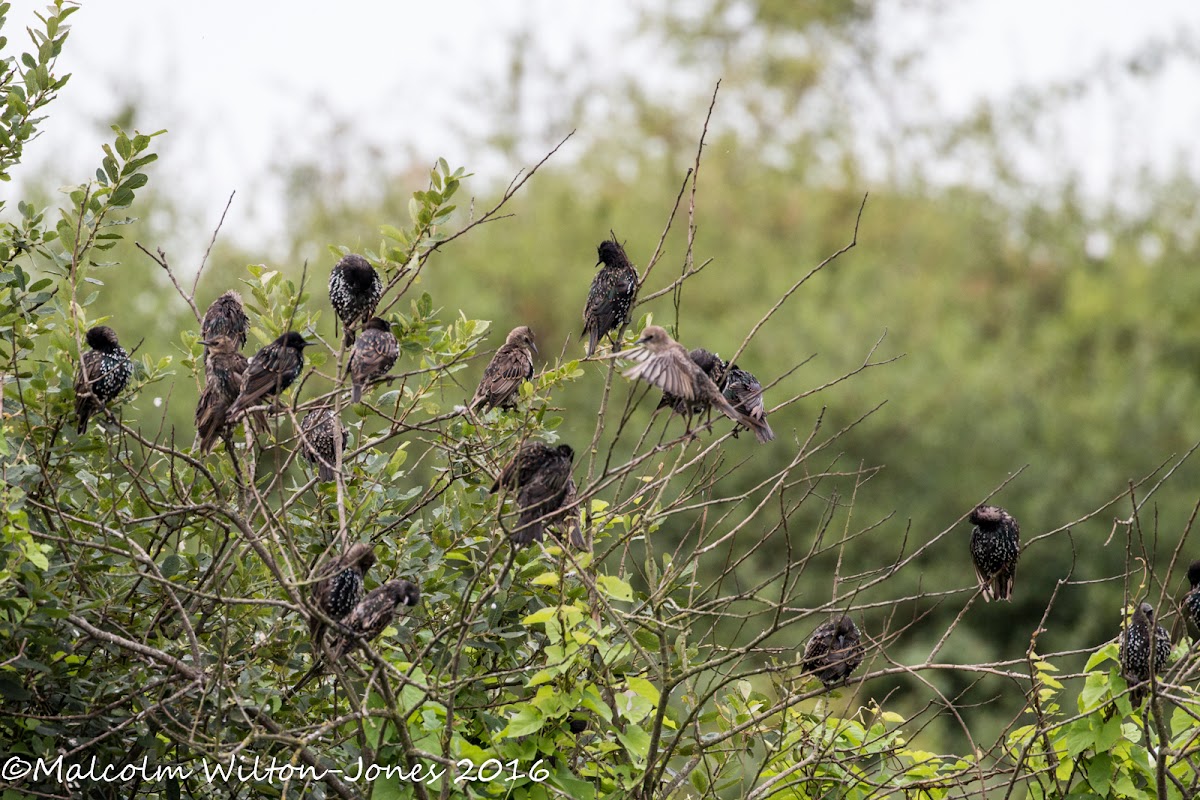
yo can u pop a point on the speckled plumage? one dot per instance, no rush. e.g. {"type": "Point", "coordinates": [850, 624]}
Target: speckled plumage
{"type": "Point", "coordinates": [663, 362]}
{"type": "Point", "coordinates": [226, 317]}
{"type": "Point", "coordinates": [745, 393]}
{"type": "Point", "coordinates": [540, 476]}
{"type": "Point", "coordinates": [713, 367]}
{"type": "Point", "coordinates": [1134, 651]}
{"type": "Point", "coordinates": [103, 372]}
{"type": "Point", "coordinates": [510, 366]}
{"type": "Point", "coordinates": [375, 352]}
{"type": "Point", "coordinates": [270, 371]}
{"type": "Point", "coordinates": [339, 587]}
{"type": "Point", "coordinates": [319, 440]}
{"type": "Point", "coordinates": [222, 384]}
{"type": "Point", "coordinates": [995, 548]}
{"type": "Point", "coordinates": [610, 299]}
{"type": "Point", "coordinates": [1191, 601]}
{"type": "Point", "coordinates": [355, 288]}
{"type": "Point", "coordinates": [834, 651]}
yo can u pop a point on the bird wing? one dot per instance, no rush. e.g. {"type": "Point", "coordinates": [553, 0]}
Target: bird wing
{"type": "Point", "coordinates": [663, 371]}
{"type": "Point", "coordinates": [508, 368]}
{"type": "Point", "coordinates": [373, 355]}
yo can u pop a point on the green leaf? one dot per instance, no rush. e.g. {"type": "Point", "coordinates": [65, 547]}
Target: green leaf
{"type": "Point", "coordinates": [614, 587]}
{"type": "Point", "coordinates": [526, 721]}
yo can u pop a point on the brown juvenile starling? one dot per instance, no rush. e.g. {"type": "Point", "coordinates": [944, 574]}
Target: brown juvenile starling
{"type": "Point", "coordinates": [665, 363]}
{"type": "Point", "coordinates": [354, 290]}
{"type": "Point", "coordinates": [834, 651]}
{"type": "Point", "coordinates": [222, 385]}
{"type": "Point", "coordinates": [540, 475]}
{"type": "Point", "coordinates": [1134, 652]}
{"type": "Point", "coordinates": [713, 367]}
{"type": "Point", "coordinates": [611, 297]}
{"type": "Point", "coordinates": [1191, 601]}
{"type": "Point", "coordinates": [745, 393]}
{"type": "Point", "coordinates": [103, 372]}
{"type": "Point", "coordinates": [995, 546]}
{"type": "Point", "coordinates": [272, 370]}
{"type": "Point", "coordinates": [319, 440]}
{"type": "Point", "coordinates": [339, 587]}
{"type": "Point", "coordinates": [373, 355]}
{"type": "Point", "coordinates": [510, 366]}
{"type": "Point", "coordinates": [226, 317]}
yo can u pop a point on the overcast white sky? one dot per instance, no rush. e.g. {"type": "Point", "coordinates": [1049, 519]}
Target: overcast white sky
{"type": "Point", "coordinates": [241, 85]}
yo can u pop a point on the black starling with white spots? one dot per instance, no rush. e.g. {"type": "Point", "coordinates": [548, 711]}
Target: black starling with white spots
{"type": "Point", "coordinates": [103, 372]}
{"type": "Point", "coordinates": [1134, 652]}
{"type": "Point", "coordinates": [375, 352]}
{"type": "Point", "coordinates": [713, 366]}
{"type": "Point", "coordinates": [222, 384]}
{"type": "Point", "coordinates": [509, 368]}
{"type": "Point", "coordinates": [354, 290]}
{"type": "Point", "coordinates": [339, 587]}
{"type": "Point", "coordinates": [610, 299]}
{"type": "Point", "coordinates": [226, 317]}
{"type": "Point", "coordinates": [1191, 601]}
{"type": "Point", "coordinates": [745, 393]}
{"type": "Point", "coordinates": [540, 476]}
{"type": "Point", "coordinates": [995, 547]}
{"type": "Point", "coordinates": [319, 434]}
{"type": "Point", "coordinates": [665, 363]}
{"type": "Point", "coordinates": [834, 651]}
{"type": "Point", "coordinates": [270, 371]}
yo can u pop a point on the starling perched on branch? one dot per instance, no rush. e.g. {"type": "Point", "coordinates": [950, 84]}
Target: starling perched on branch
{"type": "Point", "coordinates": [995, 546]}
{"type": "Point", "coordinates": [373, 355]}
{"type": "Point", "coordinates": [1191, 601]}
{"type": "Point", "coordinates": [540, 475]}
{"type": "Point", "coordinates": [510, 366]}
{"type": "Point", "coordinates": [226, 317]}
{"type": "Point", "coordinates": [1134, 652]}
{"type": "Point", "coordinates": [745, 393]}
{"type": "Point", "coordinates": [665, 363]}
{"type": "Point", "coordinates": [834, 651]}
{"type": "Point", "coordinates": [713, 367]}
{"type": "Point", "coordinates": [319, 440]}
{"type": "Point", "coordinates": [103, 372]}
{"type": "Point", "coordinates": [367, 620]}
{"type": "Point", "coordinates": [354, 290]}
{"type": "Point", "coordinates": [610, 299]}
{"type": "Point", "coordinates": [339, 587]}
{"type": "Point", "coordinates": [222, 384]}
{"type": "Point", "coordinates": [272, 370]}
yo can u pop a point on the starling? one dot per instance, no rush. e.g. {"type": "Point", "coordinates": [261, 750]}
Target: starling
{"type": "Point", "coordinates": [664, 362]}
{"type": "Point", "coordinates": [713, 366]}
{"type": "Point", "coordinates": [222, 385]}
{"type": "Point", "coordinates": [1191, 601]}
{"type": "Point", "coordinates": [226, 317]}
{"type": "Point", "coordinates": [318, 440]}
{"type": "Point", "coordinates": [995, 546]}
{"type": "Point", "coordinates": [540, 474]}
{"type": "Point", "coordinates": [374, 354]}
{"type": "Point", "coordinates": [611, 297]}
{"type": "Point", "coordinates": [354, 289]}
{"type": "Point", "coordinates": [339, 587]}
{"type": "Point", "coordinates": [369, 618]}
{"type": "Point", "coordinates": [510, 366]}
{"type": "Point", "coordinates": [272, 370]}
{"type": "Point", "coordinates": [103, 372]}
{"type": "Point", "coordinates": [745, 393]}
{"type": "Point", "coordinates": [1134, 651]}
{"type": "Point", "coordinates": [834, 651]}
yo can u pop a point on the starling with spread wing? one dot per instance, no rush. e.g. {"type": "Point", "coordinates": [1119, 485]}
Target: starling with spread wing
{"type": "Point", "coordinates": [665, 363]}
{"type": "Point", "coordinates": [540, 476]}
{"type": "Point", "coordinates": [320, 431]}
{"type": "Point", "coordinates": [375, 352]}
{"type": "Point", "coordinates": [1135, 648]}
{"type": "Point", "coordinates": [995, 547]}
{"type": "Point", "coordinates": [610, 299]}
{"type": "Point", "coordinates": [339, 588]}
{"type": "Point", "coordinates": [745, 393]}
{"type": "Point", "coordinates": [103, 372]}
{"type": "Point", "coordinates": [272, 370]}
{"type": "Point", "coordinates": [225, 371]}
{"type": "Point", "coordinates": [355, 288]}
{"type": "Point", "coordinates": [834, 651]}
{"type": "Point", "coordinates": [510, 366]}
{"type": "Point", "coordinates": [713, 367]}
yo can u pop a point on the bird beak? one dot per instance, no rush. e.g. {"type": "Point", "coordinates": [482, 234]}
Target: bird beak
{"type": "Point", "coordinates": [534, 346]}
{"type": "Point", "coordinates": [207, 343]}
